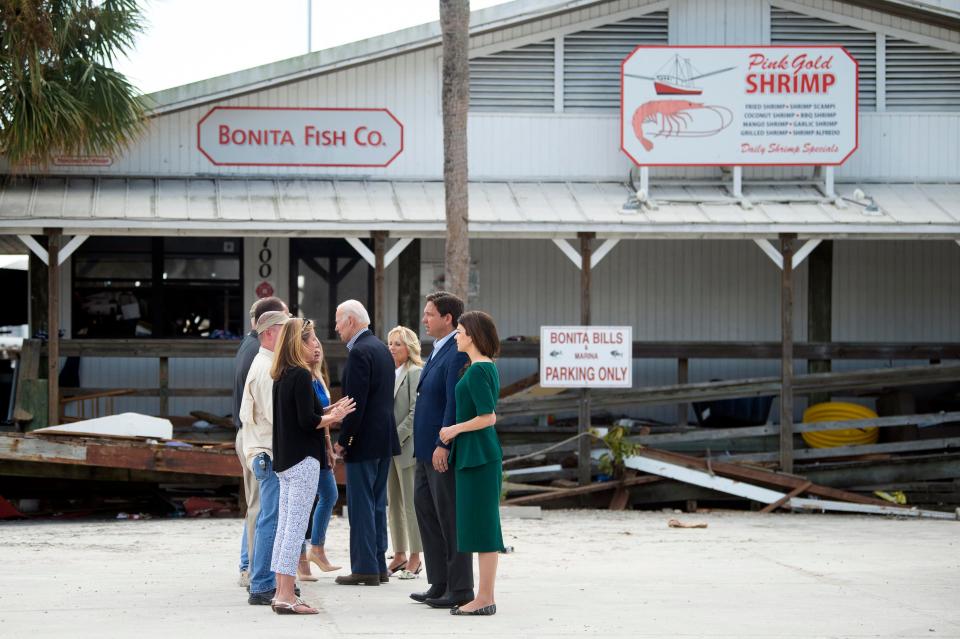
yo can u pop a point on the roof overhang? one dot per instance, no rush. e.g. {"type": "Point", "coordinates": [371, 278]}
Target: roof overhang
{"type": "Point", "coordinates": [355, 208]}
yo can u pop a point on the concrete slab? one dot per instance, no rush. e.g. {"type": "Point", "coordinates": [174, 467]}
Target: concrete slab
{"type": "Point", "coordinates": [586, 573]}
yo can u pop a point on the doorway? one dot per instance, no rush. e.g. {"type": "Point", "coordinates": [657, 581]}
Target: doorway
{"type": "Point", "coordinates": [323, 273]}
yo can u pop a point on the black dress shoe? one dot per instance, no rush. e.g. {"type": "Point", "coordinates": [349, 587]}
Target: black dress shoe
{"type": "Point", "coordinates": [451, 600]}
{"type": "Point", "coordinates": [354, 579]}
{"type": "Point", "coordinates": [261, 598]}
{"type": "Point", "coordinates": [384, 577]}
{"type": "Point", "coordinates": [486, 611]}
{"type": "Point", "coordinates": [432, 593]}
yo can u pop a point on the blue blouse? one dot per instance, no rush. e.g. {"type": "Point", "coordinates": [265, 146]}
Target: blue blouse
{"type": "Point", "coordinates": [321, 394]}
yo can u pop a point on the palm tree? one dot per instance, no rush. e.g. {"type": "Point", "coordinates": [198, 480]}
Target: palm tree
{"type": "Point", "coordinates": [58, 90]}
{"type": "Point", "coordinates": [455, 27]}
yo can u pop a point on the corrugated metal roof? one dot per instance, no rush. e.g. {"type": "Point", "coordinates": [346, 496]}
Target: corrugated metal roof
{"type": "Point", "coordinates": [216, 206]}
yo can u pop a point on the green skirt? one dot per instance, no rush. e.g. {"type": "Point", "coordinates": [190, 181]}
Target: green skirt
{"type": "Point", "coordinates": [478, 508]}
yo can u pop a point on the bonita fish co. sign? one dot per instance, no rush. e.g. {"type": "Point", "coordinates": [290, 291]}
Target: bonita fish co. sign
{"type": "Point", "coordinates": [297, 136]}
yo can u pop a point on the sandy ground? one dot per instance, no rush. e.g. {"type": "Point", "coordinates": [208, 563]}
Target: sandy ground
{"type": "Point", "coordinates": [573, 573]}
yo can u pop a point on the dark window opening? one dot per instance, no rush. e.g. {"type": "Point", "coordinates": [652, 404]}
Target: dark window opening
{"type": "Point", "coordinates": [125, 287]}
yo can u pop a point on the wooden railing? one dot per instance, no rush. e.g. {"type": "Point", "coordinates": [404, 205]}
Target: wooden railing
{"type": "Point", "coordinates": [682, 352]}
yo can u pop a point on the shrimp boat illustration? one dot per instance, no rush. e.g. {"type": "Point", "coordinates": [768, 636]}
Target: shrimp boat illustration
{"type": "Point", "coordinates": [677, 76]}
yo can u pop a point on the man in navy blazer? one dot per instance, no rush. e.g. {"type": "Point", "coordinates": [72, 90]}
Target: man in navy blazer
{"type": "Point", "coordinates": [368, 441]}
{"type": "Point", "coordinates": [449, 571]}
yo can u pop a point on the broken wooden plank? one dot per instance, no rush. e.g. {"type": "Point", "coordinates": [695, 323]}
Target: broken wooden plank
{"type": "Point", "coordinates": [766, 495]}
{"type": "Point", "coordinates": [769, 508]}
{"type": "Point", "coordinates": [747, 473]}
{"type": "Point", "coordinates": [582, 490]}
{"type": "Point", "coordinates": [112, 453]}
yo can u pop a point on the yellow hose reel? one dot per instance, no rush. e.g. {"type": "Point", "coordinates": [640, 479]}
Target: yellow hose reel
{"type": "Point", "coordinates": [837, 412]}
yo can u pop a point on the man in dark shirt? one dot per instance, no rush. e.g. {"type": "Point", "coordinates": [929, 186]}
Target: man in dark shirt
{"type": "Point", "coordinates": [241, 366]}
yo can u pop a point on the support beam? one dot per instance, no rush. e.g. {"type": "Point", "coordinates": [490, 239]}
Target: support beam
{"type": "Point", "coordinates": [643, 195]}
{"type": "Point", "coordinates": [804, 251]}
{"type": "Point", "coordinates": [577, 258]}
{"type": "Point", "coordinates": [583, 423]}
{"type": "Point", "coordinates": [395, 251]}
{"type": "Point", "coordinates": [362, 249]}
{"type": "Point", "coordinates": [828, 182]}
{"type": "Point", "coordinates": [771, 252]}
{"type": "Point", "coordinates": [409, 305]}
{"type": "Point", "coordinates": [602, 252]}
{"type": "Point", "coordinates": [71, 246]}
{"type": "Point", "coordinates": [53, 322]}
{"type": "Point", "coordinates": [35, 248]}
{"type": "Point", "coordinates": [798, 256]}
{"type": "Point", "coordinates": [379, 297]}
{"type": "Point", "coordinates": [786, 356]}
{"type": "Point", "coordinates": [820, 308]}
{"type": "Point", "coordinates": [738, 182]}
{"type": "Point", "coordinates": [568, 250]}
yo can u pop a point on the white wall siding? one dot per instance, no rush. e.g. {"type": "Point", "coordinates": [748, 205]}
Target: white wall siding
{"type": "Point", "coordinates": [905, 147]}
{"type": "Point", "coordinates": [666, 290]}
{"type": "Point", "coordinates": [717, 22]}
{"type": "Point", "coordinates": [896, 291]}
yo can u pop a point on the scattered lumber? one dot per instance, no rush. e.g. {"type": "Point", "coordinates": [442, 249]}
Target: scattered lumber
{"type": "Point", "coordinates": [581, 490]}
{"type": "Point", "coordinates": [653, 462]}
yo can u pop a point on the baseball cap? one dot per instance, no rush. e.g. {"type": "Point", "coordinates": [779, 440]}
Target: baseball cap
{"type": "Point", "coordinates": [271, 318]}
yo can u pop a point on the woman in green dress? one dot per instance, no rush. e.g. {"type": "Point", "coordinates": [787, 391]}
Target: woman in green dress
{"type": "Point", "coordinates": [476, 456]}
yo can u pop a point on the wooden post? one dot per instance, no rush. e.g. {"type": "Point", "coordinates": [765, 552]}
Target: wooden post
{"type": "Point", "coordinates": [38, 291]}
{"type": "Point", "coordinates": [164, 386]}
{"type": "Point", "coordinates": [683, 376]}
{"type": "Point", "coordinates": [786, 355]}
{"type": "Point", "coordinates": [583, 424]}
{"type": "Point", "coordinates": [53, 327]}
{"type": "Point", "coordinates": [379, 305]}
{"type": "Point", "coordinates": [820, 308]}
{"type": "Point", "coordinates": [409, 304]}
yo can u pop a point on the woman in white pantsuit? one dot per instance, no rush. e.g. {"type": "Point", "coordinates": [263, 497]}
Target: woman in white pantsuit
{"type": "Point", "coordinates": [405, 348]}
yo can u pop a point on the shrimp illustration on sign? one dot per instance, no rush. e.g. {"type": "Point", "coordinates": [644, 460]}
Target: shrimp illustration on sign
{"type": "Point", "coordinates": [674, 117]}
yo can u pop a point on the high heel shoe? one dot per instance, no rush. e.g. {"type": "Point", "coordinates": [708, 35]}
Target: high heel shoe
{"type": "Point", "coordinates": [397, 568]}
{"type": "Point", "coordinates": [325, 566]}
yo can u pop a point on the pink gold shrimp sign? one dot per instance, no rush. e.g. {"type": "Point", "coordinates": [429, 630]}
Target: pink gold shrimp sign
{"type": "Point", "coordinates": [723, 106]}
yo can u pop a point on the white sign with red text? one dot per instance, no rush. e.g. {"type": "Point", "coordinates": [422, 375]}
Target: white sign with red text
{"type": "Point", "coordinates": [295, 136]}
{"type": "Point", "coordinates": [721, 106]}
{"type": "Point", "coordinates": [586, 356]}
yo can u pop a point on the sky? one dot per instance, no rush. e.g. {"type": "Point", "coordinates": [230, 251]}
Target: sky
{"type": "Point", "coordinates": [189, 40]}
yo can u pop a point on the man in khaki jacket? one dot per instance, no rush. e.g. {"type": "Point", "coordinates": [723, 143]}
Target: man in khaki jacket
{"type": "Point", "coordinates": [256, 414]}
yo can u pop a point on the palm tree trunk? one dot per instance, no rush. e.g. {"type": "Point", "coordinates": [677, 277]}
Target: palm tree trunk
{"type": "Point", "coordinates": [455, 25]}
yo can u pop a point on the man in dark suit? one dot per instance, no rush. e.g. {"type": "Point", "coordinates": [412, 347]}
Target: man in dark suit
{"type": "Point", "coordinates": [368, 441]}
{"type": "Point", "coordinates": [449, 572]}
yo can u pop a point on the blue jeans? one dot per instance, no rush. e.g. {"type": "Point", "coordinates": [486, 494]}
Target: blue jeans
{"type": "Point", "coordinates": [244, 557]}
{"type": "Point", "coordinates": [326, 499]}
{"type": "Point", "coordinates": [261, 577]}
{"type": "Point", "coordinates": [367, 512]}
